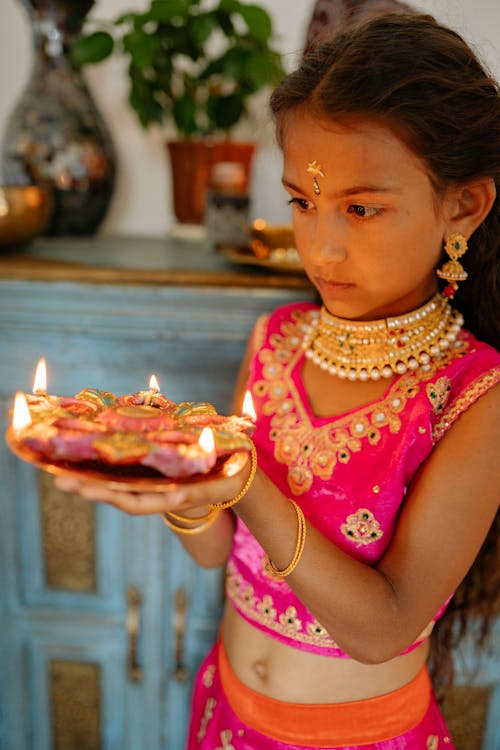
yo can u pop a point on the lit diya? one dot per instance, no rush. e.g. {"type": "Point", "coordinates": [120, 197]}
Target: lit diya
{"type": "Point", "coordinates": [141, 434]}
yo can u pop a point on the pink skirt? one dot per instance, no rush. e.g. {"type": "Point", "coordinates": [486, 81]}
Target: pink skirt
{"type": "Point", "coordinates": [227, 715]}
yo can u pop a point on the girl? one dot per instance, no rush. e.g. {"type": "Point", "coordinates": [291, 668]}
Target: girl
{"type": "Point", "coordinates": [376, 484]}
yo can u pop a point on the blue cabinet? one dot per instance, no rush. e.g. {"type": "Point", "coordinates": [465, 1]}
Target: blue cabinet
{"type": "Point", "coordinates": [104, 618]}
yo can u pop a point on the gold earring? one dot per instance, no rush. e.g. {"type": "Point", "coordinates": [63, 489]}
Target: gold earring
{"type": "Point", "coordinates": [453, 271]}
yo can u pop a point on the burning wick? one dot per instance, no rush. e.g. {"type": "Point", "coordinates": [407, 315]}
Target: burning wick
{"type": "Point", "coordinates": [40, 381]}
{"type": "Point", "coordinates": [206, 440]}
{"type": "Point", "coordinates": [247, 410]}
{"type": "Point", "coordinates": [154, 388]}
{"type": "Point", "coordinates": [21, 417]}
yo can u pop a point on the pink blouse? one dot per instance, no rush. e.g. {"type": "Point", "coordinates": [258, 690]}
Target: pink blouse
{"type": "Point", "coordinates": [349, 473]}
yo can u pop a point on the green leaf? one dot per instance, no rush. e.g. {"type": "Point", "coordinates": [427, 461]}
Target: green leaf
{"type": "Point", "coordinates": [92, 48]}
{"type": "Point", "coordinates": [263, 68]}
{"type": "Point", "coordinates": [142, 48]}
{"type": "Point", "coordinates": [202, 27]}
{"type": "Point", "coordinates": [225, 111]}
{"type": "Point", "coordinates": [184, 113]}
{"type": "Point", "coordinates": [165, 10]}
{"type": "Point", "coordinates": [142, 100]}
{"type": "Point", "coordinates": [258, 21]}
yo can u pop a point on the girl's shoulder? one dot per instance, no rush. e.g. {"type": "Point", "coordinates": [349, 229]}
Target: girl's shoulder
{"type": "Point", "coordinates": [456, 386]}
{"type": "Point", "coordinates": [281, 319]}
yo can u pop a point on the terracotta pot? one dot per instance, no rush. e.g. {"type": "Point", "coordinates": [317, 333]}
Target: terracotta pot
{"type": "Point", "coordinates": [192, 162]}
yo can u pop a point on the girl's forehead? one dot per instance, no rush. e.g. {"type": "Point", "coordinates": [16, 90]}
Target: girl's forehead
{"type": "Point", "coordinates": [360, 140]}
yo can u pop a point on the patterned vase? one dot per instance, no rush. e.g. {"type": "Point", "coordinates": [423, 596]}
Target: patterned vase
{"type": "Point", "coordinates": [56, 137]}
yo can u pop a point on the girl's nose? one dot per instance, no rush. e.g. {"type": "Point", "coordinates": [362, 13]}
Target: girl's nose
{"type": "Point", "coordinates": [327, 244]}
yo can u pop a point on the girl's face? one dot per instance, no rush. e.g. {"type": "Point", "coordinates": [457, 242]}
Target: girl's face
{"type": "Point", "coordinates": [371, 239]}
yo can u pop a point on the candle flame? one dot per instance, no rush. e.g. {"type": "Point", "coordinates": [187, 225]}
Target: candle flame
{"type": "Point", "coordinates": [153, 383]}
{"type": "Point", "coordinates": [206, 440]}
{"type": "Point", "coordinates": [248, 407]}
{"type": "Point", "coordinates": [21, 416]}
{"type": "Point", "coordinates": [40, 381]}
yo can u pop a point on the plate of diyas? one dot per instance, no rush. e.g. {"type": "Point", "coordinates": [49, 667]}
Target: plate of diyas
{"type": "Point", "coordinates": [140, 441]}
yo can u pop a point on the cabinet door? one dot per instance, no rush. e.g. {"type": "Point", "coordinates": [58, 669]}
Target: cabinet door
{"type": "Point", "coordinates": [95, 647]}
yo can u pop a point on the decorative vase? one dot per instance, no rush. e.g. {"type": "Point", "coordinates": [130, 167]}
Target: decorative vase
{"type": "Point", "coordinates": [192, 161]}
{"type": "Point", "coordinates": [56, 137]}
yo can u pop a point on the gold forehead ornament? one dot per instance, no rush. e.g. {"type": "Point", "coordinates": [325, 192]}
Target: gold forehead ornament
{"type": "Point", "coordinates": [315, 168]}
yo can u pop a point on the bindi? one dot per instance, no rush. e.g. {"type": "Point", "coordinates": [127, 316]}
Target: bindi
{"type": "Point", "coordinates": [315, 168]}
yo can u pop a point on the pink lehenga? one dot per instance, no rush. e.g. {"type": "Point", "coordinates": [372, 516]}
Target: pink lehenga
{"type": "Point", "coordinates": [349, 474]}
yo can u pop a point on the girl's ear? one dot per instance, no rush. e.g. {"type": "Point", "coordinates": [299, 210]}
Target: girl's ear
{"type": "Point", "coordinates": [468, 205]}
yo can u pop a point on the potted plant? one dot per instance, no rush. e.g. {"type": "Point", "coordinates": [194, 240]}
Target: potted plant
{"type": "Point", "coordinates": [195, 65]}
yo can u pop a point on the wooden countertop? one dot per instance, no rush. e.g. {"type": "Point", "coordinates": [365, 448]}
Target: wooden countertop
{"type": "Point", "coordinates": [138, 261]}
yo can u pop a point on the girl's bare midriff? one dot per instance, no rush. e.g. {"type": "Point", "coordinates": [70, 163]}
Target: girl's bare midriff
{"type": "Point", "coordinates": [288, 674]}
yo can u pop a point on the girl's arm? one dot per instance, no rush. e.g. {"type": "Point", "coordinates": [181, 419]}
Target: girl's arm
{"type": "Point", "coordinates": [374, 613]}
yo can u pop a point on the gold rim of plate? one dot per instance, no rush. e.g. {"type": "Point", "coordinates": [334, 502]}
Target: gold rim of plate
{"type": "Point", "coordinates": [274, 261]}
{"type": "Point", "coordinates": [226, 467]}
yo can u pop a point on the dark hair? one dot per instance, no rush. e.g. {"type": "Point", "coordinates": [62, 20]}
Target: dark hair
{"type": "Point", "coordinates": [425, 83]}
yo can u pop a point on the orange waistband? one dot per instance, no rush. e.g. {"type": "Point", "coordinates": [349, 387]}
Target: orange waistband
{"type": "Point", "coordinates": [330, 724]}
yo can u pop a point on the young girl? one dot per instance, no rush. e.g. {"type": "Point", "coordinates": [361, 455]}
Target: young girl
{"type": "Point", "coordinates": [374, 487]}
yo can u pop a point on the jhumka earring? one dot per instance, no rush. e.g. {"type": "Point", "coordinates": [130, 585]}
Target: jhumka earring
{"type": "Point", "coordinates": [314, 168]}
{"type": "Point", "coordinates": [453, 271]}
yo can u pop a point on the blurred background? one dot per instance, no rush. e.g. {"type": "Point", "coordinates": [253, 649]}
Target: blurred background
{"type": "Point", "coordinates": [142, 202]}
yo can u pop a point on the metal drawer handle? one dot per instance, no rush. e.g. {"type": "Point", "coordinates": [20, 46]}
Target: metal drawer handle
{"type": "Point", "coordinates": [180, 672]}
{"type": "Point", "coordinates": [134, 599]}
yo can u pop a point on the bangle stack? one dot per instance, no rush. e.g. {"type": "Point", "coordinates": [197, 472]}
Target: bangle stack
{"type": "Point", "coordinates": [299, 547]}
{"type": "Point", "coordinates": [190, 525]}
{"type": "Point", "coordinates": [185, 525]}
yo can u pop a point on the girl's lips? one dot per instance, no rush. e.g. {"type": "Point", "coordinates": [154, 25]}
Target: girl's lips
{"type": "Point", "coordinates": [332, 285]}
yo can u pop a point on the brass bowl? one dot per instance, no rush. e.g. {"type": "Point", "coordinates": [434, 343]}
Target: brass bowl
{"type": "Point", "coordinates": [266, 238]}
{"type": "Point", "coordinates": [24, 213]}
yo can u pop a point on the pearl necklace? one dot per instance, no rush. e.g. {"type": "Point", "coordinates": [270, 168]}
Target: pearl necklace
{"type": "Point", "coordinates": [360, 350]}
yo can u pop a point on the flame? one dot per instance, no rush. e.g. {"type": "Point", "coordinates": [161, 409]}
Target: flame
{"type": "Point", "coordinates": [206, 440]}
{"type": "Point", "coordinates": [40, 381]}
{"type": "Point", "coordinates": [21, 416]}
{"type": "Point", "coordinates": [247, 410]}
{"type": "Point", "coordinates": [153, 383]}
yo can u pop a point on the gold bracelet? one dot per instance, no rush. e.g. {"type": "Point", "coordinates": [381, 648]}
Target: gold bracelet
{"type": "Point", "coordinates": [193, 519]}
{"type": "Point", "coordinates": [246, 486]}
{"type": "Point", "coordinates": [299, 546]}
{"type": "Point", "coordinates": [189, 529]}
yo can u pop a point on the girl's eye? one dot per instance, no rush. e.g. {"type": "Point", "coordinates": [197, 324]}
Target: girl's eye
{"type": "Point", "coordinates": [362, 212]}
{"type": "Point", "coordinates": [301, 203]}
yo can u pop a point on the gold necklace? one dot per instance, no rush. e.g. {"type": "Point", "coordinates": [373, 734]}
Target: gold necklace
{"type": "Point", "coordinates": [364, 350]}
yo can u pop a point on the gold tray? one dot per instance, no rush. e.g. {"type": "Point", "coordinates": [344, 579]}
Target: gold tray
{"type": "Point", "coordinates": [130, 478]}
{"type": "Point", "coordinates": [278, 260]}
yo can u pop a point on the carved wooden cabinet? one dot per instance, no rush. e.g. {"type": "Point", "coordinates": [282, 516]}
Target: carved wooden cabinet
{"type": "Point", "coordinates": [103, 617]}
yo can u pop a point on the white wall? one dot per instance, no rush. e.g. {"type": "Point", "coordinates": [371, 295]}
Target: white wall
{"type": "Point", "coordinates": [142, 201]}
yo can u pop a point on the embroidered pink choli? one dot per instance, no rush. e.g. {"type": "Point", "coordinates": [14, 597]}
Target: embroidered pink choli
{"type": "Point", "coordinates": [349, 473]}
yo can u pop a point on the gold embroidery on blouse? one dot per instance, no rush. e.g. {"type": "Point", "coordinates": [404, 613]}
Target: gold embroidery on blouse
{"type": "Point", "coordinates": [264, 612]}
{"type": "Point", "coordinates": [208, 675]}
{"type": "Point", "coordinates": [310, 451]}
{"type": "Point", "coordinates": [207, 715]}
{"type": "Point", "coordinates": [438, 393]}
{"type": "Point", "coordinates": [362, 527]}
{"type": "Point", "coordinates": [226, 736]}
{"type": "Point", "coordinates": [474, 390]}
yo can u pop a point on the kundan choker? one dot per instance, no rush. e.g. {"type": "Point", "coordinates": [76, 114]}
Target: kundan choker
{"type": "Point", "coordinates": [364, 350]}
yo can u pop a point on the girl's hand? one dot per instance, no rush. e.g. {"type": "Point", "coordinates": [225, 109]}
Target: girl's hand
{"type": "Point", "coordinates": [186, 499]}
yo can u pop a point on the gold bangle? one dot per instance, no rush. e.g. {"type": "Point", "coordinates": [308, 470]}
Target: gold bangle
{"type": "Point", "coordinates": [246, 486]}
{"type": "Point", "coordinates": [193, 519]}
{"type": "Point", "coordinates": [299, 546]}
{"type": "Point", "coordinates": [188, 529]}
